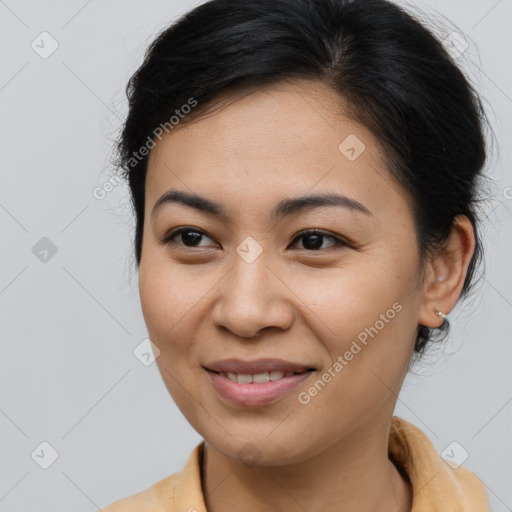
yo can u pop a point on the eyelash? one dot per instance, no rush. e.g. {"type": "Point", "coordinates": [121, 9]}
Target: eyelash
{"type": "Point", "coordinates": [169, 239]}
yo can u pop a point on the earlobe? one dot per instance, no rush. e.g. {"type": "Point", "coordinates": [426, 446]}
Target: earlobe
{"type": "Point", "coordinates": [446, 273]}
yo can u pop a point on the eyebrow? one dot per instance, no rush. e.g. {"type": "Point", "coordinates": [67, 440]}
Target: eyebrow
{"type": "Point", "coordinates": [284, 208]}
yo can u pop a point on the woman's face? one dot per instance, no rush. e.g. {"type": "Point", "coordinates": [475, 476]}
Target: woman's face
{"type": "Point", "coordinates": [245, 285]}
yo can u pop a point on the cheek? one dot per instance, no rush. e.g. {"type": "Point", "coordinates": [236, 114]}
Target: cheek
{"type": "Point", "coordinates": [167, 289]}
{"type": "Point", "coordinates": [167, 301]}
{"type": "Point", "coordinates": [366, 314]}
{"type": "Point", "coordinates": [346, 300]}
{"type": "Point", "coordinates": [166, 296]}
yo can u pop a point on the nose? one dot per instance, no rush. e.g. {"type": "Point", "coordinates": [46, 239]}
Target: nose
{"type": "Point", "coordinates": [251, 298]}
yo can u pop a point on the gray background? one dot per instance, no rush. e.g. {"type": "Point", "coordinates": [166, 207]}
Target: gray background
{"type": "Point", "coordinates": [70, 323]}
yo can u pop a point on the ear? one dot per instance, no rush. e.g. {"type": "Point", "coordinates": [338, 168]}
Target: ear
{"type": "Point", "coordinates": [445, 272]}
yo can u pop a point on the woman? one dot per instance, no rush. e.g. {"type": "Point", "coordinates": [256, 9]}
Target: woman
{"type": "Point", "coordinates": [304, 175]}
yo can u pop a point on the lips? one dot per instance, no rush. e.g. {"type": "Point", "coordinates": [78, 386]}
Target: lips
{"type": "Point", "coordinates": [250, 394]}
{"type": "Point", "coordinates": [256, 366]}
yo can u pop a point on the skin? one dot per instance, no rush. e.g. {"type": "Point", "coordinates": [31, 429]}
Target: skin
{"type": "Point", "coordinates": [203, 302]}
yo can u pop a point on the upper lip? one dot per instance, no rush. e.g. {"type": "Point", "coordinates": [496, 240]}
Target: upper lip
{"type": "Point", "coordinates": [256, 366]}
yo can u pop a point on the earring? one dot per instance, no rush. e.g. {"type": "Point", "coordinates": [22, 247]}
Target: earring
{"type": "Point", "coordinates": [440, 313]}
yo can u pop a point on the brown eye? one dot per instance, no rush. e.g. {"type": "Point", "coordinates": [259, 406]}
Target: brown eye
{"type": "Point", "coordinates": [314, 240]}
{"type": "Point", "coordinates": [190, 237]}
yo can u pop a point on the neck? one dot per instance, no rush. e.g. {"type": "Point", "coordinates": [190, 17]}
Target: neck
{"type": "Point", "coordinates": [353, 474]}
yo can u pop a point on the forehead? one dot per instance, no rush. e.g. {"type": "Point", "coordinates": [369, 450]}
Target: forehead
{"type": "Point", "coordinates": [282, 116]}
{"type": "Point", "coordinates": [286, 137]}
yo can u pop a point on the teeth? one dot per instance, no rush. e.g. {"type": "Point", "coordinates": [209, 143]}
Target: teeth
{"type": "Point", "coordinates": [243, 378]}
{"type": "Point", "coordinates": [260, 377]}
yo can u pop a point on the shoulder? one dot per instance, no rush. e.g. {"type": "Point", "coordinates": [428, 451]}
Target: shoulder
{"type": "Point", "coordinates": [181, 490]}
{"type": "Point", "coordinates": [467, 487]}
{"type": "Point", "coordinates": [157, 498]}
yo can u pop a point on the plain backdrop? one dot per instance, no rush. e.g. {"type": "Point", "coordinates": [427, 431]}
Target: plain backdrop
{"type": "Point", "coordinates": [74, 396]}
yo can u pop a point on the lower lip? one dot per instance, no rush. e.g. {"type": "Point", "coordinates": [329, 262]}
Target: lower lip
{"type": "Point", "coordinates": [256, 393]}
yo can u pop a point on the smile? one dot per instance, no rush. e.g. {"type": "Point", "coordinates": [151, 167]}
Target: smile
{"type": "Point", "coordinates": [250, 390]}
{"type": "Point", "coordinates": [243, 378]}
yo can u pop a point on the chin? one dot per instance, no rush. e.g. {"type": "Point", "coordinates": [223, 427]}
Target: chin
{"type": "Point", "coordinates": [260, 450]}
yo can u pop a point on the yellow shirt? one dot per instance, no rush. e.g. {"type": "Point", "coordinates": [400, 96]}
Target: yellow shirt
{"type": "Point", "coordinates": [437, 487]}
